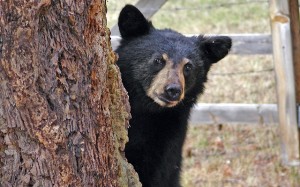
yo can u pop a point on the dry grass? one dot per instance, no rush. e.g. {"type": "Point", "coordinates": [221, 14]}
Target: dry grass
{"type": "Point", "coordinates": [241, 79]}
{"type": "Point", "coordinates": [234, 155]}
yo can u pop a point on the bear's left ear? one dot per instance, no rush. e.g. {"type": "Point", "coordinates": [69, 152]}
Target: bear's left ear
{"type": "Point", "coordinates": [215, 48]}
{"type": "Point", "coordinates": [132, 22]}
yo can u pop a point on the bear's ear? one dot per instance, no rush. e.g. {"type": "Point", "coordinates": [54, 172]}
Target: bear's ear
{"type": "Point", "coordinates": [215, 48]}
{"type": "Point", "coordinates": [132, 22]}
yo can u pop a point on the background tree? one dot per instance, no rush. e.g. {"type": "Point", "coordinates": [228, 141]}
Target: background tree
{"type": "Point", "coordinates": [63, 109]}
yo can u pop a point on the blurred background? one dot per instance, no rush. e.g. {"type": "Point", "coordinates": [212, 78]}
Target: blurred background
{"type": "Point", "coordinates": [227, 154]}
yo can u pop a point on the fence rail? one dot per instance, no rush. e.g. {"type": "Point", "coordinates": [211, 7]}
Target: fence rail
{"type": "Point", "coordinates": [242, 44]}
{"type": "Point", "coordinates": [209, 114]}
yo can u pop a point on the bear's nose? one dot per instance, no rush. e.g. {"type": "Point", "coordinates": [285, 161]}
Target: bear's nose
{"type": "Point", "coordinates": [173, 92]}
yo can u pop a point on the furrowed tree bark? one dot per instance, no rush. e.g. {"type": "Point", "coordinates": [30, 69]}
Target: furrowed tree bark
{"type": "Point", "coordinates": [63, 109]}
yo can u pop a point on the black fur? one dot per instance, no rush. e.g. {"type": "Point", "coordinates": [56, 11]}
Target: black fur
{"type": "Point", "coordinates": [157, 133]}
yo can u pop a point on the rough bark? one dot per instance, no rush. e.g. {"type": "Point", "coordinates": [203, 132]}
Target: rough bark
{"type": "Point", "coordinates": [63, 109]}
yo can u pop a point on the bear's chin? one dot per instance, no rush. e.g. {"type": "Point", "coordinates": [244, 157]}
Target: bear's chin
{"type": "Point", "coordinates": [164, 102]}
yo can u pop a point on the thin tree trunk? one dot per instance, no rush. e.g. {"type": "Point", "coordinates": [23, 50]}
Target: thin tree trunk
{"type": "Point", "coordinates": [63, 109]}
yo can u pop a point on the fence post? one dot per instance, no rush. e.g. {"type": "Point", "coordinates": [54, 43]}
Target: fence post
{"type": "Point", "coordinates": [285, 80]}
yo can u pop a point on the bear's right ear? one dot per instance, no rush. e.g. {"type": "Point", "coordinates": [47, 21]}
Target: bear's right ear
{"type": "Point", "coordinates": [132, 22]}
{"type": "Point", "coordinates": [215, 47]}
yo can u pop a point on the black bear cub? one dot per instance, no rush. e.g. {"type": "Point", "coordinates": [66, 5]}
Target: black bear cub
{"type": "Point", "coordinates": [164, 72]}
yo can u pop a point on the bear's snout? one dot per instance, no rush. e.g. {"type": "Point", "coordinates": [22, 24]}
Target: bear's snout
{"type": "Point", "coordinates": [173, 92]}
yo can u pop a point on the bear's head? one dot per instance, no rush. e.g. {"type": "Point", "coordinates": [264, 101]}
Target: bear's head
{"type": "Point", "coordinates": [163, 68]}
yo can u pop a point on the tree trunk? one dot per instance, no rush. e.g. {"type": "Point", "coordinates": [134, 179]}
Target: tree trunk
{"type": "Point", "coordinates": [63, 109]}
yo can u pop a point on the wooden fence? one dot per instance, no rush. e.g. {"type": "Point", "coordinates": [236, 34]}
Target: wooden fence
{"type": "Point", "coordinates": [284, 44]}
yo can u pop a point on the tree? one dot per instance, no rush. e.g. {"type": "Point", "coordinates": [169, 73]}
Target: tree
{"type": "Point", "coordinates": [63, 109]}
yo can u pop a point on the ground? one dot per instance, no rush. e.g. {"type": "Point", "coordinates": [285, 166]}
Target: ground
{"type": "Point", "coordinates": [228, 155]}
{"type": "Point", "coordinates": [235, 156]}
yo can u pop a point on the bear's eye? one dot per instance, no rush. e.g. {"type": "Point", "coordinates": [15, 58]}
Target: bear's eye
{"type": "Point", "coordinates": [187, 68]}
{"type": "Point", "coordinates": [159, 62]}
